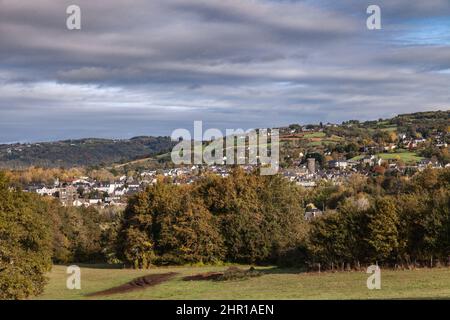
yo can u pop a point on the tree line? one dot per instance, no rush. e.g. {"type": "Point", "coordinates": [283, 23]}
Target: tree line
{"type": "Point", "coordinates": [241, 218]}
{"type": "Point", "coordinates": [389, 220]}
{"type": "Point", "coordinates": [395, 221]}
{"type": "Point", "coordinates": [37, 231]}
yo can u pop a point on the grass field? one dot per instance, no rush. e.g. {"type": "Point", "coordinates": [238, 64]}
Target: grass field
{"type": "Point", "coordinates": [406, 157]}
{"type": "Point", "coordinates": [389, 128]}
{"type": "Point", "coordinates": [273, 284]}
{"type": "Point", "coordinates": [315, 135]}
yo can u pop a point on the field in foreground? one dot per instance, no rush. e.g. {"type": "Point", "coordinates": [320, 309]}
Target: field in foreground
{"type": "Point", "coordinates": [273, 284]}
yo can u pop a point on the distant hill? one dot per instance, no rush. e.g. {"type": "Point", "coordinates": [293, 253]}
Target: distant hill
{"type": "Point", "coordinates": [83, 152]}
{"type": "Point", "coordinates": [140, 151]}
{"type": "Point", "coordinates": [426, 115]}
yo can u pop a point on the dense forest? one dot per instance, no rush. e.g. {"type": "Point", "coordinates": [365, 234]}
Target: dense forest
{"type": "Point", "coordinates": [84, 152]}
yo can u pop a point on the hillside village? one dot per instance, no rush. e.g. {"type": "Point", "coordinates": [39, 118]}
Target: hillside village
{"type": "Point", "coordinates": [86, 191]}
{"type": "Point", "coordinates": [309, 155]}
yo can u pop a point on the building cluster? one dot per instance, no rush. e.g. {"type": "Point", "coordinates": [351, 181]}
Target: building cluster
{"type": "Point", "coordinates": [310, 173]}
{"type": "Point", "coordinates": [406, 142]}
{"type": "Point", "coordinates": [86, 191]}
{"type": "Point", "coordinates": [306, 172]}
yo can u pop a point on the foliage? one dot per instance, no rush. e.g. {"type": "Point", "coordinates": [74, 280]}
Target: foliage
{"type": "Point", "coordinates": [25, 243]}
{"type": "Point", "coordinates": [166, 225]}
{"type": "Point", "coordinates": [84, 152]}
{"type": "Point", "coordinates": [34, 231]}
{"type": "Point", "coordinates": [78, 234]}
{"type": "Point", "coordinates": [245, 218]}
{"type": "Point", "coordinates": [410, 227]}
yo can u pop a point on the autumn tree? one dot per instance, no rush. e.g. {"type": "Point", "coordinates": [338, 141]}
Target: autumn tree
{"type": "Point", "coordinates": [165, 224]}
{"type": "Point", "coordinates": [25, 243]}
{"type": "Point", "coordinates": [382, 231]}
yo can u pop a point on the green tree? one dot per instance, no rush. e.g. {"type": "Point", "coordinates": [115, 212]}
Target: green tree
{"type": "Point", "coordinates": [382, 230]}
{"type": "Point", "coordinates": [166, 225]}
{"type": "Point", "coordinates": [25, 243]}
{"type": "Point", "coordinates": [191, 235]}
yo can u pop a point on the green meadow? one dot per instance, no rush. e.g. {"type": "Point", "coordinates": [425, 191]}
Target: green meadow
{"type": "Point", "coordinates": [274, 283]}
{"type": "Point", "coordinates": [406, 157]}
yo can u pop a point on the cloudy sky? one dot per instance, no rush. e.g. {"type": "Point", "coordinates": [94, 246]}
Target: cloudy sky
{"type": "Point", "coordinates": [142, 67]}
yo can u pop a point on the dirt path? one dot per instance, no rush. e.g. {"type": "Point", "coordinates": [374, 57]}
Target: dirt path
{"type": "Point", "coordinates": [136, 284]}
{"type": "Point", "coordinates": [204, 276]}
{"type": "Point", "coordinates": [232, 273]}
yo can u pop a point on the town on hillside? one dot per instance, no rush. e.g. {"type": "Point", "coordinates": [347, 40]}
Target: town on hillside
{"type": "Point", "coordinates": [309, 155]}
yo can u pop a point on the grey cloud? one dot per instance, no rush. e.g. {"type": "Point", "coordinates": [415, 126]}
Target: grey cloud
{"type": "Point", "coordinates": [420, 57]}
{"type": "Point", "coordinates": [151, 66]}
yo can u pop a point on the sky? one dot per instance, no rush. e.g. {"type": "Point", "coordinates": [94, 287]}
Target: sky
{"type": "Point", "coordinates": [142, 67]}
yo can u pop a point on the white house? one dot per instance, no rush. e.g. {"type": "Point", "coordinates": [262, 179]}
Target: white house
{"type": "Point", "coordinates": [46, 191]}
{"type": "Point", "coordinates": [338, 164]}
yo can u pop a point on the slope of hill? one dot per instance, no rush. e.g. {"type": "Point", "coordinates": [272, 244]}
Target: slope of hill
{"type": "Point", "coordinates": [345, 140]}
{"type": "Point", "coordinates": [83, 152]}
